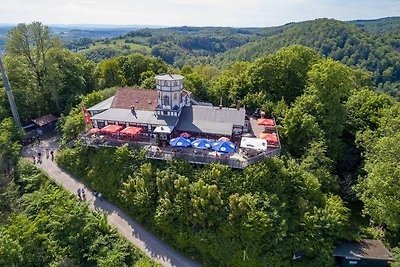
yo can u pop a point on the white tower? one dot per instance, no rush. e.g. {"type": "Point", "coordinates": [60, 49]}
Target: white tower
{"type": "Point", "coordinates": [170, 99]}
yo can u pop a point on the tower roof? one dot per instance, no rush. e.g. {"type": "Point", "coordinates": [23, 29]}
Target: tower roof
{"type": "Point", "coordinates": [169, 77]}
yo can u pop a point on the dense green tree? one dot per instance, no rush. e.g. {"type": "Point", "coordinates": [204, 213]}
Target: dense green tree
{"type": "Point", "coordinates": [232, 84]}
{"type": "Point", "coordinates": [283, 75]}
{"type": "Point", "coordinates": [74, 124]}
{"type": "Point", "coordinates": [379, 189]}
{"type": "Point", "coordinates": [139, 191]}
{"type": "Point", "coordinates": [33, 42]}
{"type": "Point", "coordinates": [50, 228]}
{"type": "Point", "coordinates": [110, 74]}
{"type": "Point", "coordinates": [363, 110]}
{"type": "Point", "coordinates": [147, 79]}
{"type": "Point", "coordinates": [9, 146]}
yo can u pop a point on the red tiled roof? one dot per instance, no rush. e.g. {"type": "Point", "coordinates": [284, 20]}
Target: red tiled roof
{"type": "Point", "coordinates": [44, 120]}
{"type": "Point", "coordinates": [142, 99]}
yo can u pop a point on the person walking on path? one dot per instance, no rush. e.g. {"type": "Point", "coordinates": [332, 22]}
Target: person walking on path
{"type": "Point", "coordinates": [47, 153]}
{"type": "Point", "coordinates": [79, 193]}
{"type": "Point", "coordinates": [34, 159]}
{"type": "Point", "coordinates": [52, 155]}
{"type": "Point", "coordinates": [83, 194]}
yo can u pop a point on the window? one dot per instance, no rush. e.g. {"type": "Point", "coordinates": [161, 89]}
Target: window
{"type": "Point", "coordinates": [165, 112]}
{"type": "Point", "coordinates": [166, 100]}
{"type": "Point", "coordinates": [100, 124]}
{"type": "Point", "coordinates": [165, 83]}
{"type": "Point", "coordinates": [175, 96]}
{"type": "Point", "coordinates": [159, 95]}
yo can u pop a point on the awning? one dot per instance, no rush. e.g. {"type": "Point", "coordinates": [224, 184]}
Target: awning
{"type": "Point", "coordinates": [271, 138]}
{"type": "Point", "coordinates": [132, 131]}
{"type": "Point", "coordinates": [110, 129]}
{"type": "Point", "coordinates": [163, 129]}
{"type": "Point", "coordinates": [254, 143]}
{"type": "Point", "coordinates": [185, 135]}
{"type": "Point", "coordinates": [266, 122]}
{"type": "Point", "coordinates": [94, 130]}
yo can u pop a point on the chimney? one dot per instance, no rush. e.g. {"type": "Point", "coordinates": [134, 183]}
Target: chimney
{"type": "Point", "coordinates": [238, 104]}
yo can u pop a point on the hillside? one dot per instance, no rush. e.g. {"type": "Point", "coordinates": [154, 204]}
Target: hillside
{"type": "Point", "coordinates": [362, 46]}
{"type": "Point", "coordinates": [177, 45]}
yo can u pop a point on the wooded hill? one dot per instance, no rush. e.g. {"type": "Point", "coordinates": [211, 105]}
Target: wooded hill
{"type": "Point", "coordinates": [370, 44]}
{"type": "Point", "coordinates": [373, 46]}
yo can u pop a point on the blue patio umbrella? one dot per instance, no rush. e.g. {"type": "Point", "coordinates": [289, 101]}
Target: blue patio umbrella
{"type": "Point", "coordinates": [224, 147]}
{"type": "Point", "coordinates": [180, 142]}
{"type": "Point", "coordinates": [202, 143]}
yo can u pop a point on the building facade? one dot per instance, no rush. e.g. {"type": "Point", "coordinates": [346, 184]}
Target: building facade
{"type": "Point", "coordinates": [166, 111]}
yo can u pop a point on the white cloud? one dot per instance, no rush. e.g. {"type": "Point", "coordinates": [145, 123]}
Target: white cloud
{"type": "Point", "coordinates": [191, 12]}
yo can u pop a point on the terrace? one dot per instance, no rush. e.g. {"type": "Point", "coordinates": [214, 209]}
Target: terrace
{"type": "Point", "coordinates": [240, 158]}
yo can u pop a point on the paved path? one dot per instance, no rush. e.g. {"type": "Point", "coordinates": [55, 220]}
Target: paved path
{"type": "Point", "coordinates": [130, 229]}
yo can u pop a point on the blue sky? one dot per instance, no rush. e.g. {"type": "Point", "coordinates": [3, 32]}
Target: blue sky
{"type": "Point", "coordinates": [191, 12]}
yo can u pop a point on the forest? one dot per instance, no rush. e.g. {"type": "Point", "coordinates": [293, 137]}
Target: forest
{"type": "Point", "coordinates": [372, 45]}
{"type": "Point", "coordinates": [337, 179]}
{"type": "Point", "coordinates": [43, 225]}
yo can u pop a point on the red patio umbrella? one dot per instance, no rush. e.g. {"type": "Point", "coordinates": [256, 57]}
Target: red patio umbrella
{"type": "Point", "coordinates": [94, 130]}
{"type": "Point", "coordinates": [185, 135]}
{"type": "Point", "coordinates": [266, 122]}
{"type": "Point", "coordinates": [132, 131]}
{"type": "Point", "coordinates": [111, 129]}
{"type": "Point", "coordinates": [271, 138]}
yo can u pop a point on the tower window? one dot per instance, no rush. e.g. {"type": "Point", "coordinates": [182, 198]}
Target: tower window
{"type": "Point", "coordinates": [166, 100]}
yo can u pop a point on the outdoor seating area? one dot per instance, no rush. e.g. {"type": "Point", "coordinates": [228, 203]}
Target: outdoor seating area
{"type": "Point", "coordinates": [222, 150]}
{"type": "Point", "coordinates": [116, 135]}
{"type": "Point", "coordinates": [237, 152]}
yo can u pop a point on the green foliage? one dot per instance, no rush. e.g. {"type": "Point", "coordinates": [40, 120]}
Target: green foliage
{"type": "Point", "coordinates": [222, 216]}
{"type": "Point", "coordinates": [73, 124]}
{"type": "Point", "coordinates": [320, 112]}
{"type": "Point", "coordinates": [9, 146]}
{"type": "Point", "coordinates": [379, 189]}
{"type": "Point", "coordinates": [232, 84]}
{"type": "Point", "coordinates": [286, 72]}
{"type": "Point", "coordinates": [110, 73]}
{"type": "Point", "coordinates": [363, 110]}
{"type": "Point", "coordinates": [49, 227]}
{"type": "Point", "coordinates": [342, 41]}
{"type": "Point", "coordinates": [45, 78]}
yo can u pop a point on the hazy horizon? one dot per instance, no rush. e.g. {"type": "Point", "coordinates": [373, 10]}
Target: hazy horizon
{"type": "Point", "coordinates": [127, 26]}
{"type": "Point", "coordinates": [224, 13]}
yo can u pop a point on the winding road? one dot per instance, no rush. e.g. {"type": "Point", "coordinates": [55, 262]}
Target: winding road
{"type": "Point", "coordinates": [149, 244]}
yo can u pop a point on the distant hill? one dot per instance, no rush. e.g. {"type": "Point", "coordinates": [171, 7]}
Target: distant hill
{"type": "Point", "coordinates": [71, 33]}
{"type": "Point", "coordinates": [379, 26]}
{"type": "Point", "coordinates": [373, 45]}
{"type": "Point", "coordinates": [370, 44]}
{"type": "Point", "coordinates": [181, 45]}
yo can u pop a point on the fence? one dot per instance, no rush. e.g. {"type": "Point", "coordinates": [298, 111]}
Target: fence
{"type": "Point", "coordinates": [206, 159]}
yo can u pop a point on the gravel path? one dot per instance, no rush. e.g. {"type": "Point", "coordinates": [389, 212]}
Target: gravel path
{"type": "Point", "coordinates": [129, 228]}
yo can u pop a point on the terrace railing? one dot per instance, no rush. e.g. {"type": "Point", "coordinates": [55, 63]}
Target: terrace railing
{"type": "Point", "coordinates": [207, 159]}
{"type": "Point", "coordinates": [167, 154]}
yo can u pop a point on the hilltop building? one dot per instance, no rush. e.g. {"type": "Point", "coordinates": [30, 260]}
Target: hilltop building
{"type": "Point", "coordinates": [167, 112]}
